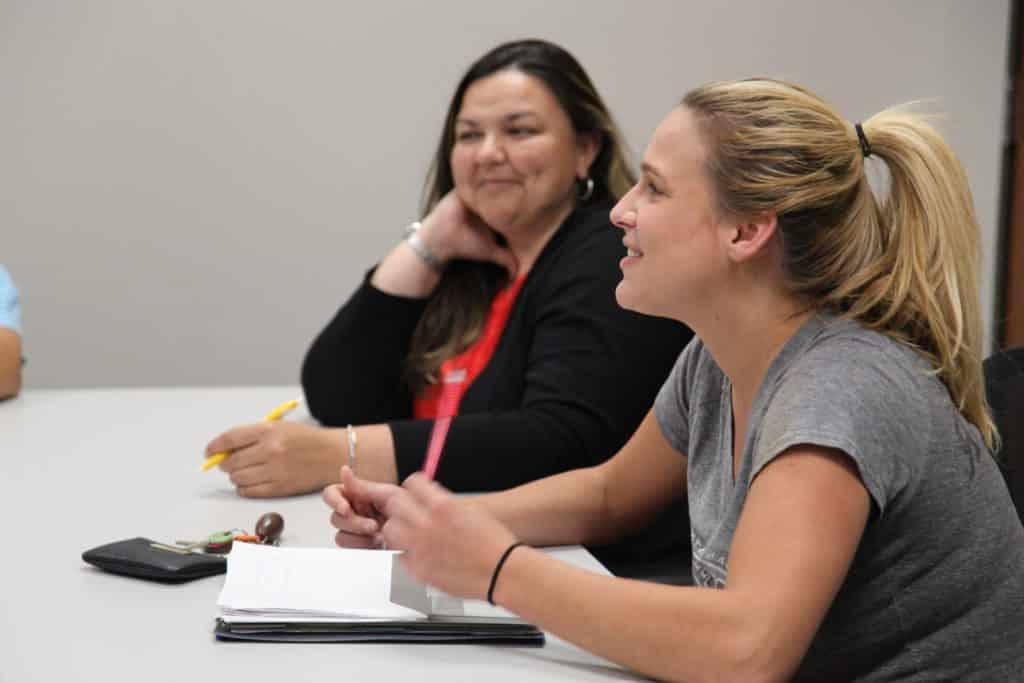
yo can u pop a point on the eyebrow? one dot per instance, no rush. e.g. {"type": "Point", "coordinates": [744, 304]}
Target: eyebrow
{"type": "Point", "coordinates": [508, 118]}
{"type": "Point", "coordinates": [650, 170]}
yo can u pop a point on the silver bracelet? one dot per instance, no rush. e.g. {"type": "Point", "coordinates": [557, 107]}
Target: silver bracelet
{"type": "Point", "coordinates": [412, 236]}
{"type": "Point", "coordinates": [353, 440]}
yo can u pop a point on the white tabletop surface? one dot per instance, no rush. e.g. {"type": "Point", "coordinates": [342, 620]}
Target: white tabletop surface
{"type": "Point", "coordinates": [81, 468]}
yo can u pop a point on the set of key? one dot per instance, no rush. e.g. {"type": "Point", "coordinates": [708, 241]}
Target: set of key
{"type": "Point", "coordinates": [269, 528]}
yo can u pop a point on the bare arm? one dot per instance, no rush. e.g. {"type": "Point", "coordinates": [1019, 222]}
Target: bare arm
{"type": "Point", "coordinates": [10, 362]}
{"type": "Point", "coordinates": [596, 504]}
{"type": "Point", "coordinates": [801, 525]}
{"type": "Point", "coordinates": [588, 505]}
{"type": "Point", "coordinates": [802, 522]}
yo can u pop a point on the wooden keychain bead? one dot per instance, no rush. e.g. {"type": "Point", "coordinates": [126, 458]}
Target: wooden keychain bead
{"type": "Point", "coordinates": [269, 527]}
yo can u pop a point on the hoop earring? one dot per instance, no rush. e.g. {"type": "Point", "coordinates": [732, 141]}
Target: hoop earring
{"type": "Point", "coordinates": [588, 188]}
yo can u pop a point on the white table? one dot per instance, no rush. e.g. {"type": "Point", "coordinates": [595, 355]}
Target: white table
{"type": "Point", "coordinates": [86, 467]}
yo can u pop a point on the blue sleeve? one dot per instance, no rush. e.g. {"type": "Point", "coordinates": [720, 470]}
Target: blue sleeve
{"type": "Point", "coordinates": [10, 311]}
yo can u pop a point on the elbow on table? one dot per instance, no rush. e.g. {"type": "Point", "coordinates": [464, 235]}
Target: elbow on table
{"type": "Point", "coordinates": [330, 399]}
{"type": "Point", "coordinates": [756, 655]}
{"type": "Point", "coordinates": [318, 408]}
{"type": "Point", "coordinates": [333, 407]}
{"type": "Point", "coordinates": [321, 403]}
{"type": "Point", "coordinates": [744, 649]}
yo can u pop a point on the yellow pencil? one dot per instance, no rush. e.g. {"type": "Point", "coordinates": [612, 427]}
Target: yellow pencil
{"type": "Point", "coordinates": [275, 414]}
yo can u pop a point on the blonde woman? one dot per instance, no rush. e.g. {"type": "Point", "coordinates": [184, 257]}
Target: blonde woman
{"type": "Point", "coordinates": [827, 421]}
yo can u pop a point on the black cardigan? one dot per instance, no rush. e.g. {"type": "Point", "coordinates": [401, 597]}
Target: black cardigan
{"type": "Point", "coordinates": [569, 382]}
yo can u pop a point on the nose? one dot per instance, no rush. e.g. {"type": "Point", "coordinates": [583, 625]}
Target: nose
{"type": "Point", "coordinates": [623, 214]}
{"type": "Point", "coordinates": [491, 150]}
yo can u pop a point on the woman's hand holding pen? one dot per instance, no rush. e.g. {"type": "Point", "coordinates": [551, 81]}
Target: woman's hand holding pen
{"type": "Point", "coordinates": [449, 542]}
{"type": "Point", "coordinates": [352, 510]}
{"type": "Point", "coordinates": [279, 458]}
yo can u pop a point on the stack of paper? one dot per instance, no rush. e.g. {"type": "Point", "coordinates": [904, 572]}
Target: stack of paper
{"type": "Point", "coordinates": [300, 583]}
{"type": "Point", "coordinates": [333, 594]}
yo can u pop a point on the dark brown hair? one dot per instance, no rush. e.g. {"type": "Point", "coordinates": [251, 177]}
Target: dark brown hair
{"type": "Point", "coordinates": [456, 312]}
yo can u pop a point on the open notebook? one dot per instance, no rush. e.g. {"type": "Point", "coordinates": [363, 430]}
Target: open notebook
{"type": "Point", "coordinates": [340, 595]}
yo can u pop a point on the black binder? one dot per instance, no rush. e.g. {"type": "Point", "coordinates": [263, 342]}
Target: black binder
{"type": "Point", "coordinates": [445, 620]}
{"type": "Point", "coordinates": [435, 629]}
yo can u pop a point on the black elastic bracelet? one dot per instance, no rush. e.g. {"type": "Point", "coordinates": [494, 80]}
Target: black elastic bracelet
{"type": "Point", "coordinates": [497, 570]}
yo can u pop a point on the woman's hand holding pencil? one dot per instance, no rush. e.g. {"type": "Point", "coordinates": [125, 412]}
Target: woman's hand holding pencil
{"type": "Point", "coordinates": [275, 414]}
{"type": "Point", "coordinates": [278, 458]}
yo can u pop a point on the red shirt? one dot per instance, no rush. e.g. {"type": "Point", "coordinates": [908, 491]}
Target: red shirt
{"type": "Point", "coordinates": [472, 361]}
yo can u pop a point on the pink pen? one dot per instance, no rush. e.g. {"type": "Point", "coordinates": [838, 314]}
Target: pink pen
{"type": "Point", "coordinates": [458, 373]}
{"type": "Point", "coordinates": [452, 387]}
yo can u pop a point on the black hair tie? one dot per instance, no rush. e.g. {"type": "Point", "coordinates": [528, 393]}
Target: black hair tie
{"type": "Point", "coordinates": [865, 146]}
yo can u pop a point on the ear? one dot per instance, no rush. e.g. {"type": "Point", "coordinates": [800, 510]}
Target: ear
{"type": "Point", "coordinates": [749, 238]}
{"type": "Point", "coordinates": [587, 147]}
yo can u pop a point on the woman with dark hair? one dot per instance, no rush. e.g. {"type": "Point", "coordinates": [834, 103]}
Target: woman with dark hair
{"type": "Point", "coordinates": [509, 276]}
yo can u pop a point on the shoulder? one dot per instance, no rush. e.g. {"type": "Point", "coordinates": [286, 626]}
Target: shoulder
{"type": "Point", "coordinates": [586, 239]}
{"type": "Point", "coordinates": [696, 367]}
{"type": "Point", "coordinates": [689, 396]}
{"type": "Point", "coordinates": [843, 358]}
{"type": "Point", "coordinates": [694, 376]}
{"type": "Point", "coordinates": [8, 292]}
{"type": "Point", "coordinates": [840, 385]}
{"type": "Point", "coordinates": [580, 260]}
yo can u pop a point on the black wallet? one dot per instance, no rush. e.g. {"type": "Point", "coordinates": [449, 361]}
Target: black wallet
{"type": "Point", "coordinates": [138, 557]}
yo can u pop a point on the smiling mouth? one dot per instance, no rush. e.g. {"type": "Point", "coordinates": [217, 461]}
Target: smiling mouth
{"type": "Point", "coordinates": [634, 253]}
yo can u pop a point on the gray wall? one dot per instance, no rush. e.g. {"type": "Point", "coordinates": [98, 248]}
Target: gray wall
{"type": "Point", "coordinates": [189, 189]}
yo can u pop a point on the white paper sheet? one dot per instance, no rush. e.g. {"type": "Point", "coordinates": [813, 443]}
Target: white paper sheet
{"type": "Point", "coordinates": [269, 582]}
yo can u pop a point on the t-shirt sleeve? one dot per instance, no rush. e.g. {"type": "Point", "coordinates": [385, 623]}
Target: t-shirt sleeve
{"type": "Point", "coordinates": [856, 396]}
{"type": "Point", "coordinates": [10, 309]}
{"type": "Point", "coordinates": [672, 405]}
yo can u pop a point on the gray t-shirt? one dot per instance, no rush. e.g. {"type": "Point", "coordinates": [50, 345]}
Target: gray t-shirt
{"type": "Point", "coordinates": [936, 589]}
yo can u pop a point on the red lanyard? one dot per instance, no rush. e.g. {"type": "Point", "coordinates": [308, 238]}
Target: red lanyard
{"type": "Point", "coordinates": [457, 373]}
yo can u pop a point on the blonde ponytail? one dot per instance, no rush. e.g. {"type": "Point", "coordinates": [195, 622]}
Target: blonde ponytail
{"type": "Point", "coordinates": [905, 265]}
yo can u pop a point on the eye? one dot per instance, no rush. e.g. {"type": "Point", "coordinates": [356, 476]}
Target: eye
{"type": "Point", "coordinates": [653, 189]}
{"type": "Point", "coordinates": [467, 136]}
{"type": "Point", "coordinates": [521, 131]}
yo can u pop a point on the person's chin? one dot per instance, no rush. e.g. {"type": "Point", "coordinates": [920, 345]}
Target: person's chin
{"type": "Point", "coordinates": [632, 298]}
{"type": "Point", "coordinates": [626, 298]}
{"type": "Point", "coordinates": [499, 217]}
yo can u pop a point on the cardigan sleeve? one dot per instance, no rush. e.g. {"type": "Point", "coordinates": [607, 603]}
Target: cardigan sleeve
{"type": "Point", "coordinates": [593, 370]}
{"type": "Point", "coordinates": [352, 373]}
